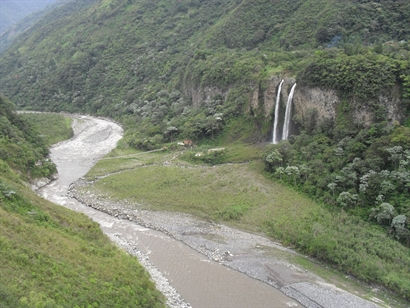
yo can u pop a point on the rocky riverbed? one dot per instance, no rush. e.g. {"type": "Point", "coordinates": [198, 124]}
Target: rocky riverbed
{"type": "Point", "coordinates": [186, 277]}
{"type": "Point", "coordinates": [251, 254]}
{"type": "Point", "coordinates": [195, 263]}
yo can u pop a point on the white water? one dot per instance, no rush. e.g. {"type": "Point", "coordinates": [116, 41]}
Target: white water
{"type": "Point", "coordinates": [285, 133]}
{"type": "Point", "coordinates": [275, 123]}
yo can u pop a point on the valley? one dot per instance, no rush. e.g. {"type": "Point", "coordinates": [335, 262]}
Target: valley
{"type": "Point", "coordinates": [229, 147]}
{"type": "Point", "coordinates": [153, 189]}
{"type": "Point", "coordinates": [186, 269]}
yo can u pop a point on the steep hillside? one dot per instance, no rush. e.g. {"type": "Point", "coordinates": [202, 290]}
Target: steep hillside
{"type": "Point", "coordinates": [20, 146]}
{"type": "Point", "coordinates": [295, 24]}
{"type": "Point", "coordinates": [182, 65]}
{"type": "Point", "coordinates": [210, 71]}
{"type": "Point", "coordinates": [102, 56]}
{"type": "Point", "coordinates": [53, 257]}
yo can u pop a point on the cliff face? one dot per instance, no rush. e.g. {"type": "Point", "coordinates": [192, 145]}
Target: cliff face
{"type": "Point", "coordinates": [312, 106]}
{"type": "Point", "coordinates": [200, 96]}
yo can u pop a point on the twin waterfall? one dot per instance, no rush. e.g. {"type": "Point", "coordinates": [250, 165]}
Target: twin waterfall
{"type": "Point", "coordinates": [275, 123]}
{"type": "Point", "coordinates": [285, 131]}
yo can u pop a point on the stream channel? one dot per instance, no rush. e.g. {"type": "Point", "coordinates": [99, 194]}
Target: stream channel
{"type": "Point", "coordinates": [194, 263]}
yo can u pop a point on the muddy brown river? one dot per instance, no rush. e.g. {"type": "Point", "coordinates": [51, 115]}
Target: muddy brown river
{"type": "Point", "coordinates": [193, 263]}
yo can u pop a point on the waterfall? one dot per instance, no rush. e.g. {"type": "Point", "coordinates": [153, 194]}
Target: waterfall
{"type": "Point", "coordinates": [275, 123]}
{"type": "Point", "coordinates": [285, 133]}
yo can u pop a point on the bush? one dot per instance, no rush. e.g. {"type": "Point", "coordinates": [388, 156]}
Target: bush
{"type": "Point", "coordinates": [234, 212]}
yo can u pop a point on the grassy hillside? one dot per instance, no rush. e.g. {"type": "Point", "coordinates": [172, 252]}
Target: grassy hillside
{"type": "Point", "coordinates": [239, 195]}
{"type": "Point", "coordinates": [51, 128]}
{"type": "Point", "coordinates": [53, 257]}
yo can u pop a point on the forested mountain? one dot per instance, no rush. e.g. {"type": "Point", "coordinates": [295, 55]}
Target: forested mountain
{"type": "Point", "coordinates": [200, 69]}
{"type": "Point", "coordinates": [20, 147]}
{"type": "Point", "coordinates": [100, 55]}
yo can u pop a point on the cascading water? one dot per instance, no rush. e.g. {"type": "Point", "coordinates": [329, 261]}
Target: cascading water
{"type": "Point", "coordinates": [275, 122]}
{"type": "Point", "coordinates": [285, 133]}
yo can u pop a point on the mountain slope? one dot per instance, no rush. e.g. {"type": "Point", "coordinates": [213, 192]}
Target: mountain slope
{"type": "Point", "coordinates": [209, 70]}
{"type": "Point", "coordinates": [20, 147]}
{"type": "Point", "coordinates": [92, 55]}
{"type": "Point", "coordinates": [53, 257]}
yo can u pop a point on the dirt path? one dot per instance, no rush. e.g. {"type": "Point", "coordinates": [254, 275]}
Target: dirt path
{"type": "Point", "coordinates": [187, 277]}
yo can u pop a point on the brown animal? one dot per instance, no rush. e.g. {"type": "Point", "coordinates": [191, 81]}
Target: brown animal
{"type": "Point", "coordinates": [188, 143]}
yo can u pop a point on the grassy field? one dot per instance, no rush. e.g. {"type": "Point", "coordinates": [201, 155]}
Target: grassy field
{"type": "Point", "coordinates": [53, 257]}
{"type": "Point", "coordinates": [52, 128]}
{"type": "Point", "coordinates": [241, 195]}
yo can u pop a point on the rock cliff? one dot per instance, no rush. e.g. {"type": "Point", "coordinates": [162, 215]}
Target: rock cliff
{"type": "Point", "coordinates": [312, 106]}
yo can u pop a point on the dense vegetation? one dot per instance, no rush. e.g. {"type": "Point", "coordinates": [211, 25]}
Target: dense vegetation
{"type": "Point", "coordinates": [238, 194]}
{"type": "Point", "coordinates": [143, 61]}
{"type": "Point", "coordinates": [366, 173]}
{"type": "Point", "coordinates": [53, 257]}
{"type": "Point", "coordinates": [20, 146]}
{"type": "Point", "coordinates": [173, 69]}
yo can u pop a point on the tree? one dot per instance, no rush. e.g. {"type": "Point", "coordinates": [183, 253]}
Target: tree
{"type": "Point", "coordinates": [400, 229]}
{"type": "Point", "coordinates": [383, 214]}
{"type": "Point", "coordinates": [347, 199]}
{"type": "Point", "coordinates": [280, 171]}
{"type": "Point", "coordinates": [332, 186]}
{"type": "Point", "coordinates": [396, 154]}
{"type": "Point", "coordinates": [293, 172]}
{"type": "Point", "coordinates": [170, 132]}
{"type": "Point", "coordinates": [274, 158]}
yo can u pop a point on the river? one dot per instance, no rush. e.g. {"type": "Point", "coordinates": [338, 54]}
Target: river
{"type": "Point", "coordinates": [193, 263]}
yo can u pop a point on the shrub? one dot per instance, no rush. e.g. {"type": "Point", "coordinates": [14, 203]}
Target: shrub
{"type": "Point", "coordinates": [233, 212]}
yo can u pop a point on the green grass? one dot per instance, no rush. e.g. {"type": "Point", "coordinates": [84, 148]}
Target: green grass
{"type": "Point", "coordinates": [53, 257]}
{"type": "Point", "coordinates": [232, 153]}
{"type": "Point", "coordinates": [241, 195]}
{"type": "Point", "coordinates": [52, 128]}
{"type": "Point", "coordinates": [129, 159]}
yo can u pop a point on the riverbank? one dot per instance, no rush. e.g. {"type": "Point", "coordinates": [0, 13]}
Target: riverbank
{"type": "Point", "coordinates": [184, 276]}
{"type": "Point", "coordinates": [158, 182]}
{"type": "Point", "coordinates": [51, 256]}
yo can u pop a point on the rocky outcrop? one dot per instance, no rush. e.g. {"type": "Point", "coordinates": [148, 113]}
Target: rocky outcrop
{"type": "Point", "coordinates": [200, 96]}
{"type": "Point", "coordinates": [305, 99]}
{"type": "Point", "coordinates": [387, 106]}
{"type": "Point", "coordinates": [313, 105]}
